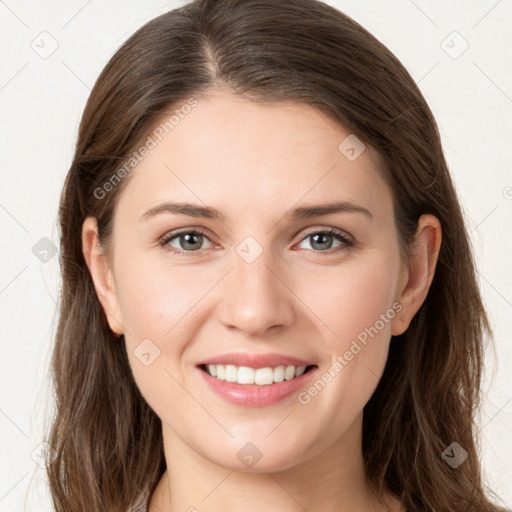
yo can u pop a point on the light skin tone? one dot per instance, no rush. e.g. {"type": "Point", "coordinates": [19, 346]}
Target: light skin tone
{"type": "Point", "coordinates": [254, 164]}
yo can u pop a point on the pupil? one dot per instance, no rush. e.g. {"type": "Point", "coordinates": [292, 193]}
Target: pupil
{"type": "Point", "coordinates": [188, 244]}
{"type": "Point", "coordinates": [322, 236]}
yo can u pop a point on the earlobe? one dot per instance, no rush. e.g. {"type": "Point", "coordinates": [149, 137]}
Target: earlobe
{"type": "Point", "coordinates": [420, 272]}
{"type": "Point", "coordinates": [101, 274]}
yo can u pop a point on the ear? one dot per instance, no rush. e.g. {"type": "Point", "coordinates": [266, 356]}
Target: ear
{"type": "Point", "coordinates": [417, 275]}
{"type": "Point", "coordinates": [101, 274]}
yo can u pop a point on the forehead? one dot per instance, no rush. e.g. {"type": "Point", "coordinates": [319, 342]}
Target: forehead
{"type": "Point", "coordinates": [231, 153]}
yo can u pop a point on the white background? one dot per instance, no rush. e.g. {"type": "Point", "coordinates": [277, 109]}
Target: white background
{"type": "Point", "coordinates": [41, 101]}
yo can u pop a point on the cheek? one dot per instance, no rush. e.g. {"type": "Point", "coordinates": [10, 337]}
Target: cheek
{"type": "Point", "coordinates": [158, 305]}
{"type": "Point", "coordinates": [352, 297]}
{"type": "Point", "coordinates": [156, 299]}
{"type": "Point", "coordinates": [357, 306]}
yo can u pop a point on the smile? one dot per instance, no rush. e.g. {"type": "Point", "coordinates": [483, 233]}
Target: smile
{"type": "Point", "coordinates": [256, 376]}
{"type": "Point", "coordinates": [255, 380]}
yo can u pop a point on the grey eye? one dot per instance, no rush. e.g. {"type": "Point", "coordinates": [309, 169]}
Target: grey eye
{"type": "Point", "coordinates": [188, 241]}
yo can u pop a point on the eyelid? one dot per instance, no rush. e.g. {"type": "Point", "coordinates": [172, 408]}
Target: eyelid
{"type": "Point", "coordinates": [331, 230]}
{"type": "Point", "coordinates": [165, 239]}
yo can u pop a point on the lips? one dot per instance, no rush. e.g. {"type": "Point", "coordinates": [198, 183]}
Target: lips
{"type": "Point", "coordinates": [256, 360]}
{"type": "Point", "coordinates": [255, 379]}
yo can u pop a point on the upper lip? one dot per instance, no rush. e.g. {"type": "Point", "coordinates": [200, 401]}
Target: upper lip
{"type": "Point", "coordinates": [255, 360]}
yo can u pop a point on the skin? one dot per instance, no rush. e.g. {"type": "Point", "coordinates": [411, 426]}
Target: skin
{"type": "Point", "coordinates": [254, 163]}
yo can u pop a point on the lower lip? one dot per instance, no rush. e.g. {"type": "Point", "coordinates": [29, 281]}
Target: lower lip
{"type": "Point", "coordinates": [253, 395]}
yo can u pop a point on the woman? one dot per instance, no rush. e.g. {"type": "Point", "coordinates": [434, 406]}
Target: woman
{"type": "Point", "coordinates": [269, 298]}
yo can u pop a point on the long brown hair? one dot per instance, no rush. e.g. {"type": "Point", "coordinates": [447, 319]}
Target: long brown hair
{"type": "Point", "coordinates": [107, 439]}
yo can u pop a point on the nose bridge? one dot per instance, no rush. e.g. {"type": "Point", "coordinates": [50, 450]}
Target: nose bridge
{"type": "Point", "coordinates": [255, 298]}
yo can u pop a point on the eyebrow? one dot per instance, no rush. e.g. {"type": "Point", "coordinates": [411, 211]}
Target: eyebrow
{"type": "Point", "coordinates": [306, 212]}
{"type": "Point", "coordinates": [303, 212]}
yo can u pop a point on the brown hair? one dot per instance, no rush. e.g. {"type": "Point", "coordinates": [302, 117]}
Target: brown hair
{"type": "Point", "coordinates": [107, 439]}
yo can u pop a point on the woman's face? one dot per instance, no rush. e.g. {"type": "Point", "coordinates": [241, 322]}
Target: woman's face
{"type": "Point", "coordinates": [265, 285]}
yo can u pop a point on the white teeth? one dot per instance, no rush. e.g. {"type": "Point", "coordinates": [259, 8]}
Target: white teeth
{"type": "Point", "coordinates": [279, 374]}
{"type": "Point", "coordinates": [245, 375]}
{"type": "Point", "coordinates": [299, 371]}
{"type": "Point", "coordinates": [259, 376]}
{"type": "Point", "coordinates": [264, 376]}
{"type": "Point", "coordinates": [231, 374]}
{"type": "Point", "coordinates": [289, 373]}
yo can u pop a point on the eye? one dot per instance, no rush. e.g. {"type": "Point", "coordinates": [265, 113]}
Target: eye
{"type": "Point", "coordinates": [188, 241]}
{"type": "Point", "coordinates": [323, 240]}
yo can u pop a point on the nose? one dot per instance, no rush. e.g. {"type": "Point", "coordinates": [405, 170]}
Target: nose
{"type": "Point", "coordinates": [256, 297]}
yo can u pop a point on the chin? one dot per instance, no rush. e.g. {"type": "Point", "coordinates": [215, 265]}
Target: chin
{"type": "Point", "coordinates": [260, 454]}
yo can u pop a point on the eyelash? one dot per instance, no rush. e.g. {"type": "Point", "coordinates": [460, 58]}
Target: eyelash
{"type": "Point", "coordinates": [347, 241]}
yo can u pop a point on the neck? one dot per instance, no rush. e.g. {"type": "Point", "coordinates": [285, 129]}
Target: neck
{"type": "Point", "coordinates": [332, 480]}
